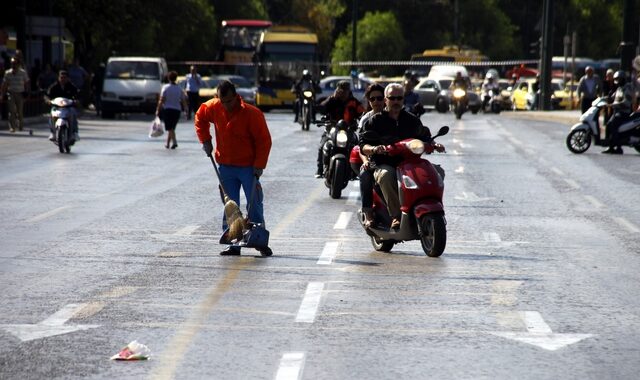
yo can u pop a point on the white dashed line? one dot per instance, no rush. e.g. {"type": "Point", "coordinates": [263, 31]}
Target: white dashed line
{"type": "Point", "coordinates": [557, 171]}
{"type": "Point", "coordinates": [354, 196]}
{"type": "Point", "coordinates": [47, 214]}
{"type": "Point", "coordinates": [343, 220]}
{"type": "Point", "coordinates": [627, 224]}
{"type": "Point", "coordinates": [290, 367]}
{"type": "Point", "coordinates": [188, 230]}
{"type": "Point", "coordinates": [459, 170]}
{"type": "Point", "coordinates": [328, 253]}
{"type": "Point", "coordinates": [310, 303]}
{"type": "Point", "coordinates": [491, 237]}
{"type": "Point", "coordinates": [572, 183]}
{"type": "Point", "coordinates": [596, 203]}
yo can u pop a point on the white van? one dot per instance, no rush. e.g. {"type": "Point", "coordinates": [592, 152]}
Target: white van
{"type": "Point", "coordinates": [447, 71]}
{"type": "Point", "coordinates": [132, 84]}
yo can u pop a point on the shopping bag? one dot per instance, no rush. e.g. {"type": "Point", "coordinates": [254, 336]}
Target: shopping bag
{"type": "Point", "coordinates": [157, 128]}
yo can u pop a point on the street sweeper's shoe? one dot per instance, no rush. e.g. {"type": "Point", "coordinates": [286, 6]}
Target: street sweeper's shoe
{"type": "Point", "coordinates": [265, 251]}
{"type": "Point", "coordinates": [230, 251]}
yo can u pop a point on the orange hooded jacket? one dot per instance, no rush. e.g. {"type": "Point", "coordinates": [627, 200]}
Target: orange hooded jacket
{"type": "Point", "coordinates": [242, 136]}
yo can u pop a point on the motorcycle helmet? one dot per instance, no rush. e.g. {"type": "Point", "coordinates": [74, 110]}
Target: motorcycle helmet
{"type": "Point", "coordinates": [619, 77]}
{"type": "Point", "coordinates": [306, 74]}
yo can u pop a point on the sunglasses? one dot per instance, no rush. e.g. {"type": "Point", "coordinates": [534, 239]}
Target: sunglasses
{"type": "Point", "coordinates": [395, 97]}
{"type": "Point", "coordinates": [376, 98]}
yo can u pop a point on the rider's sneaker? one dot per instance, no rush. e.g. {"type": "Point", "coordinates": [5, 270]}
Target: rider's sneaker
{"type": "Point", "coordinates": [395, 224]}
{"type": "Point", "coordinates": [266, 252]}
{"type": "Point", "coordinates": [230, 251]}
{"type": "Point", "coordinates": [368, 218]}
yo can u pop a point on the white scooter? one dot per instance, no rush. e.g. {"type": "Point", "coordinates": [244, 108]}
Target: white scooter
{"type": "Point", "coordinates": [61, 118]}
{"type": "Point", "coordinates": [588, 129]}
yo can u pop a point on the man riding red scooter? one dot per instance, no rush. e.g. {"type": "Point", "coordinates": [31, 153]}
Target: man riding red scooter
{"type": "Point", "coordinates": [411, 186]}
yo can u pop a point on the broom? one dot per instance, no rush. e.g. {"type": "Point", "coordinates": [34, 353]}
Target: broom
{"type": "Point", "coordinates": [232, 212]}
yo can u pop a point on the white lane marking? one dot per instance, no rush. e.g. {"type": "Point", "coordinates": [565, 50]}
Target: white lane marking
{"type": "Point", "coordinates": [596, 203]}
{"type": "Point", "coordinates": [290, 367]}
{"type": "Point", "coordinates": [47, 214]}
{"type": "Point", "coordinates": [310, 302]}
{"type": "Point", "coordinates": [515, 141]}
{"type": "Point", "coordinates": [557, 171]}
{"type": "Point", "coordinates": [539, 333]}
{"type": "Point", "coordinates": [459, 170]}
{"type": "Point", "coordinates": [471, 197]}
{"type": "Point", "coordinates": [534, 323]}
{"type": "Point", "coordinates": [54, 325]}
{"type": "Point", "coordinates": [328, 253]}
{"type": "Point", "coordinates": [491, 237]}
{"type": "Point", "coordinates": [343, 220]}
{"type": "Point", "coordinates": [187, 230]}
{"type": "Point", "coordinates": [354, 196]}
{"type": "Point", "coordinates": [572, 183]}
{"type": "Point", "coordinates": [627, 224]}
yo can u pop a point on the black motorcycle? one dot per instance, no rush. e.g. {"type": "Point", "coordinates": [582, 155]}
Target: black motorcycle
{"type": "Point", "coordinates": [340, 139]}
{"type": "Point", "coordinates": [307, 104]}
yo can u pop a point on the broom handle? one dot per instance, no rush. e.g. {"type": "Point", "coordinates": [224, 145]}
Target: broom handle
{"type": "Point", "coordinates": [215, 167]}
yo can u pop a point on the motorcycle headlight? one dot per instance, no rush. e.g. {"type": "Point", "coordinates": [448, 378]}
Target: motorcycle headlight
{"type": "Point", "coordinates": [415, 146]}
{"type": "Point", "coordinates": [307, 94]}
{"type": "Point", "coordinates": [341, 139]}
{"type": "Point", "coordinates": [409, 183]}
{"type": "Point", "coordinates": [459, 93]}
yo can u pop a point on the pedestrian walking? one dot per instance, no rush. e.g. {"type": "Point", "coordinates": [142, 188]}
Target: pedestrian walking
{"type": "Point", "coordinates": [171, 103]}
{"type": "Point", "coordinates": [243, 143]}
{"type": "Point", "coordinates": [589, 88]}
{"type": "Point", "coordinates": [15, 84]}
{"type": "Point", "coordinates": [194, 82]}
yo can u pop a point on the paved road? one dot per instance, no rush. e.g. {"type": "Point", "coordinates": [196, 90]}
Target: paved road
{"type": "Point", "coordinates": [117, 242]}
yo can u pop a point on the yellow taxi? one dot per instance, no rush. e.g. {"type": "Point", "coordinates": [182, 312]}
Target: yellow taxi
{"type": "Point", "coordinates": [523, 95]}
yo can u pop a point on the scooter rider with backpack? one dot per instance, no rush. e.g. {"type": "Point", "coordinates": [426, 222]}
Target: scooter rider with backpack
{"type": "Point", "coordinates": [622, 101]}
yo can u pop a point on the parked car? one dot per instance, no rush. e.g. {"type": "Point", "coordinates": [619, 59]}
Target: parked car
{"type": "Point", "coordinates": [433, 95]}
{"type": "Point", "coordinates": [244, 88]}
{"type": "Point", "coordinates": [523, 95]}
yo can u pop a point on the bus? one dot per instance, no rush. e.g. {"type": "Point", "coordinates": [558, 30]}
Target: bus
{"type": "Point", "coordinates": [283, 52]}
{"type": "Point", "coordinates": [239, 40]}
{"type": "Point", "coordinates": [448, 53]}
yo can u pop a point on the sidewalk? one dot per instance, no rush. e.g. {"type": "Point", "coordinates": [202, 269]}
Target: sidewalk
{"type": "Point", "coordinates": [567, 118]}
{"type": "Point", "coordinates": [29, 122]}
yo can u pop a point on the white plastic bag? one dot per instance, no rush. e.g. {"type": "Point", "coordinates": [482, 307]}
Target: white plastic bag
{"type": "Point", "coordinates": [157, 128]}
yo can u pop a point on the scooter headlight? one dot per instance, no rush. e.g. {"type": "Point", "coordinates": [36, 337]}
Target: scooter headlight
{"type": "Point", "coordinates": [307, 94]}
{"type": "Point", "coordinates": [409, 183]}
{"type": "Point", "coordinates": [459, 93]}
{"type": "Point", "coordinates": [415, 146]}
{"type": "Point", "coordinates": [341, 139]}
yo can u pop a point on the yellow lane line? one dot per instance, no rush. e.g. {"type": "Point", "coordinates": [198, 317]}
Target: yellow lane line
{"type": "Point", "coordinates": [177, 348]}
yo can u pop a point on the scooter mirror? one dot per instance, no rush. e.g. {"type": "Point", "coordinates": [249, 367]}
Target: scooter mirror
{"type": "Point", "coordinates": [443, 131]}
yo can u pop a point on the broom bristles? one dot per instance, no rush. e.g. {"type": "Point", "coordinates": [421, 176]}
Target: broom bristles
{"type": "Point", "coordinates": [235, 221]}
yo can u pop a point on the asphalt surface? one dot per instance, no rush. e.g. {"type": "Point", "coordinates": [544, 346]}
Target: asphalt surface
{"type": "Point", "coordinates": [118, 242]}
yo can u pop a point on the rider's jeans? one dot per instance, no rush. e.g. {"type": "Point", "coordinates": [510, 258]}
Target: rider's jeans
{"type": "Point", "coordinates": [385, 176]}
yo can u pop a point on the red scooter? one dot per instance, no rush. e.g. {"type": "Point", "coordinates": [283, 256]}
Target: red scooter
{"type": "Point", "coordinates": [420, 188]}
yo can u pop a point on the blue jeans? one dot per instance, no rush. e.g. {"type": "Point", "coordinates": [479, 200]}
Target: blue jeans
{"type": "Point", "coordinates": [232, 178]}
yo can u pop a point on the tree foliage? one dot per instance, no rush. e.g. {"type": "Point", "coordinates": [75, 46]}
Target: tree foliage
{"type": "Point", "coordinates": [379, 37]}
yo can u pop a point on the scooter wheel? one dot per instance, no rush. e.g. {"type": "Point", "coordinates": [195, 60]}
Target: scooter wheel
{"type": "Point", "coordinates": [433, 234]}
{"type": "Point", "coordinates": [381, 245]}
{"type": "Point", "coordinates": [578, 141]}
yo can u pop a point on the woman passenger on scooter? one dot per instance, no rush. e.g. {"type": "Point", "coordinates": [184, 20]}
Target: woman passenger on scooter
{"type": "Point", "coordinates": [375, 104]}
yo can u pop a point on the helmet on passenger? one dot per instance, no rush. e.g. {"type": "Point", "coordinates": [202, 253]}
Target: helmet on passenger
{"type": "Point", "coordinates": [306, 74]}
{"type": "Point", "coordinates": [489, 76]}
{"type": "Point", "coordinates": [619, 77]}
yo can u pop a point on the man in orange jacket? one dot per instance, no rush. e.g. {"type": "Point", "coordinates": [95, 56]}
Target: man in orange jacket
{"type": "Point", "coordinates": [242, 149]}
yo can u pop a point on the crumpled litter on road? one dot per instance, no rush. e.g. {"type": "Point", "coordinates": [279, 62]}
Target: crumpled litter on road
{"type": "Point", "coordinates": [133, 351]}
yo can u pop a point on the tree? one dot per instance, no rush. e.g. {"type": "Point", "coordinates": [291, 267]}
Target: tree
{"type": "Point", "coordinates": [379, 38]}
